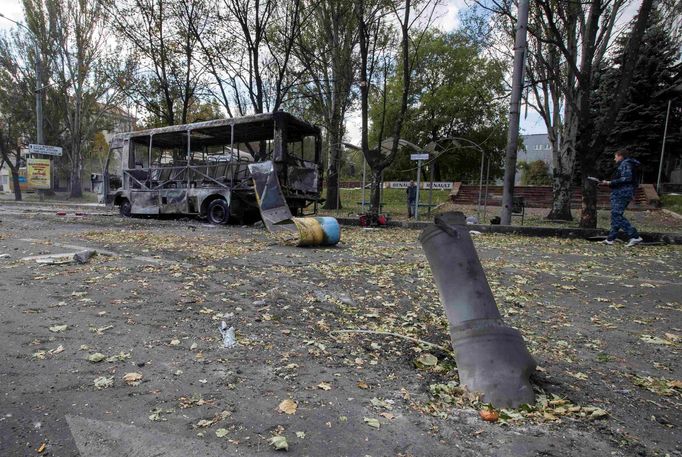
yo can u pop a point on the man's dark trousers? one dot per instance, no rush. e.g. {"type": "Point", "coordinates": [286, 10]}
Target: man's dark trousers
{"type": "Point", "coordinates": [620, 198]}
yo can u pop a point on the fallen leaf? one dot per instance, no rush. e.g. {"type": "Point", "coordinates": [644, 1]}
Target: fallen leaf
{"type": "Point", "coordinates": [120, 357]}
{"type": "Point", "coordinates": [279, 442]}
{"type": "Point", "coordinates": [489, 415]}
{"type": "Point", "coordinates": [363, 385]}
{"type": "Point", "coordinates": [221, 432]}
{"type": "Point", "coordinates": [654, 340]}
{"type": "Point", "coordinates": [132, 379]}
{"type": "Point", "coordinates": [324, 386]}
{"type": "Point", "coordinates": [372, 422]}
{"type": "Point", "coordinates": [101, 330]}
{"type": "Point", "coordinates": [672, 337]}
{"type": "Point", "coordinates": [675, 384]}
{"type": "Point", "coordinates": [300, 435]}
{"type": "Point", "coordinates": [175, 342]}
{"type": "Point", "coordinates": [96, 357]}
{"type": "Point", "coordinates": [205, 423]}
{"type": "Point", "coordinates": [598, 413]}
{"type": "Point", "coordinates": [380, 403]}
{"type": "Point", "coordinates": [288, 406]}
{"type": "Point", "coordinates": [426, 360]}
{"type": "Point", "coordinates": [58, 328]}
{"type": "Point", "coordinates": [578, 375]}
{"type": "Point", "coordinates": [104, 382]}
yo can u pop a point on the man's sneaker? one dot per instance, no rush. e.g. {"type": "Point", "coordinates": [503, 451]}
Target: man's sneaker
{"type": "Point", "coordinates": [634, 241]}
{"type": "Point", "coordinates": [607, 241]}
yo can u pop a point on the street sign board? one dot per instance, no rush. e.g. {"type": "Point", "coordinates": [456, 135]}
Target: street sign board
{"type": "Point", "coordinates": [419, 157]}
{"type": "Point", "coordinates": [38, 173]}
{"type": "Point", "coordinates": [439, 185]}
{"type": "Point", "coordinates": [45, 149]}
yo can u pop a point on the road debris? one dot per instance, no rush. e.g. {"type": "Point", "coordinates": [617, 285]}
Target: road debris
{"type": "Point", "coordinates": [104, 382]}
{"type": "Point", "coordinates": [228, 335]}
{"type": "Point", "coordinates": [279, 442]}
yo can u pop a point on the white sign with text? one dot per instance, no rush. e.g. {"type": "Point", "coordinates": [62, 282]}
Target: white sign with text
{"type": "Point", "coordinates": [45, 149]}
{"type": "Point", "coordinates": [424, 185]}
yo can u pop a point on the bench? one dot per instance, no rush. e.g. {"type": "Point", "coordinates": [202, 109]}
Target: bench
{"type": "Point", "coordinates": [518, 207]}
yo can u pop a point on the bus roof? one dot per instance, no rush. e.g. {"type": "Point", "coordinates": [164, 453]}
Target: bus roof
{"type": "Point", "coordinates": [246, 128]}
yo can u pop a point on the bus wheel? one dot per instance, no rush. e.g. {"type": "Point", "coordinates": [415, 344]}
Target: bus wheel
{"type": "Point", "coordinates": [125, 208]}
{"type": "Point", "coordinates": [218, 212]}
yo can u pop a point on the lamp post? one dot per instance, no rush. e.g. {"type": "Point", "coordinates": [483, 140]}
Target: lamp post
{"type": "Point", "coordinates": [665, 134]}
{"type": "Point", "coordinates": [514, 112]}
{"type": "Point", "coordinates": [39, 99]}
{"type": "Point", "coordinates": [672, 92]}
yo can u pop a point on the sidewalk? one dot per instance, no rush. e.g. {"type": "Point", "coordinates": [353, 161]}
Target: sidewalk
{"type": "Point", "coordinates": [55, 206]}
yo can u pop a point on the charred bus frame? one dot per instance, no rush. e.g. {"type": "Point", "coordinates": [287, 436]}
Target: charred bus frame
{"type": "Point", "coordinates": [202, 168]}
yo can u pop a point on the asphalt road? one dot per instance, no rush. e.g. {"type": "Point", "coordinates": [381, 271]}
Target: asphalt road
{"type": "Point", "coordinates": [604, 324]}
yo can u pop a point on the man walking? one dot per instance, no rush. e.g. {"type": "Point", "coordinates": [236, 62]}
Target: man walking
{"type": "Point", "coordinates": [411, 199]}
{"type": "Point", "coordinates": [623, 186]}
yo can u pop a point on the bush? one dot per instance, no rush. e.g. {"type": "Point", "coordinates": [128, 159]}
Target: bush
{"type": "Point", "coordinates": [535, 173]}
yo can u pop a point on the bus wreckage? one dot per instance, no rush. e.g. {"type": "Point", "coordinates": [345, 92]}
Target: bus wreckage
{"type": "Point", "coordinates": [201, 169]}
{"type": "Point", "coordinates": [204, 169]}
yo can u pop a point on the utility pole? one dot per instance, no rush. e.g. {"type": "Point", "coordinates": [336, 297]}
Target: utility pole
{"type": "Point", "coordinates": [665, 134]}
{"type": "Point", "coordinates": [514, 112]}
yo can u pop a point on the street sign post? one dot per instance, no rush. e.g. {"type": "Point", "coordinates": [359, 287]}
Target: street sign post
{"type": "Point", "coordinates": [45, 150]}
{"type": "Point", "coordinates": [418, 158]}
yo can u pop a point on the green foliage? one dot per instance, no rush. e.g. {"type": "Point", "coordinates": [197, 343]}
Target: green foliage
{"type": "Point", "coordinates": [456, 92]}
{"type": "Point", "coordinates": [535, 173]}
{"type": "Point", "coordinates": [641, 121]}
{"type": "Point", "coordinates": [197, 111]}
{"type": "Point", "coordinates": [394, 201]}
{"type": "Point", "coordinates": [672, 202]}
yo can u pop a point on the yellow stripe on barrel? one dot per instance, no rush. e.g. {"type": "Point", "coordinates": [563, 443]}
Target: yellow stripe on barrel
{"type": "Point", "coordinates": [317, 231]}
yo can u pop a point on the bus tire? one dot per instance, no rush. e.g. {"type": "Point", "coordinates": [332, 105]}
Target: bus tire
{"type": "Point", "coordinates": [218, 212]}
{"type": "Point", "coordinates": [125, 208]}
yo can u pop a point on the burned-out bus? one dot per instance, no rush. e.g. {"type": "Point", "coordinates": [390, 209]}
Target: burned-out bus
{"type": "Point", "coordinates": [201, 169]}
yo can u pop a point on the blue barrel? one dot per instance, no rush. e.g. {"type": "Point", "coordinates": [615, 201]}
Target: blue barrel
{"type": "Point", "coordinates": [331, 229]}
{"type": "Point", "coordinates": [317, 231]}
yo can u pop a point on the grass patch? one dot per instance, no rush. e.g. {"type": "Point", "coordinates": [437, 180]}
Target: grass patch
{"type": "Point", "coordinates": [395, 201]}
{"type": "Point", "coordinates": [672, 202]}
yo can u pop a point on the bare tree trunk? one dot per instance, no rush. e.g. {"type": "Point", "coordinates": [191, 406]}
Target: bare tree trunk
{"type": "Point", "coordinates": [76, 190]}
{"type": "Point", "coordinates": [14, 168]}
{"type": "Point", "coordinates": [563, 152]}
{"type": "Point", "coordinates": [375, 192]}
{"type": "Point", "coordinates": [561, 199]}
{"type": "Point", "coordinates": [335, 133]}
{"type": "Point", "coordinates": [588, 216]}
{"type": "Point", "coordinates": [593, 138]}
{"type": "Point", "coordinates": [15, 184]}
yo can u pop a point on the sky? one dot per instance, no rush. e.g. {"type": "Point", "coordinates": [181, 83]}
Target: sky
{"type": "Point", "coordinates": [12, 9]}
{"type": "Point", "coordinates": [446, 19]}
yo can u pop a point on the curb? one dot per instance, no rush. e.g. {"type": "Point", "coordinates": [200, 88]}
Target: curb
{"type": "Point", "coordinates": [55, 204]}
{"type": "Point", "coordinates": [559, 232]}
{"type": "Point", "coordinates": [672, 213]}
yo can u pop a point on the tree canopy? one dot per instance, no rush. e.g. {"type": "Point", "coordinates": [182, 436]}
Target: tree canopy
{"type": "Point", "coordinates": [457, 92]}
